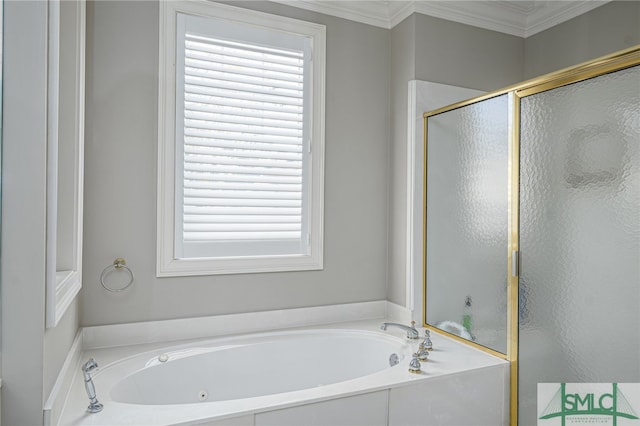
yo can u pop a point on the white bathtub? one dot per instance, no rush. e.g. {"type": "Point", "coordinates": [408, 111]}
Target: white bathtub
{"type": "Point", "coordinates": [246, 379]}
{"type": "Point", "coordinates": [253, 366]}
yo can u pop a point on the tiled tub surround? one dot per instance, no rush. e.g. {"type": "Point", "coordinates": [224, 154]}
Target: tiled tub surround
{"type": "Point", "coordinates": [459, 385]}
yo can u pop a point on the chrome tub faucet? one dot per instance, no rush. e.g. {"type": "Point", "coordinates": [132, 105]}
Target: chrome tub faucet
{"type": "Point", "coordinates": [412, 333]}
{"type": "Point", "coordinates": [87, 368]}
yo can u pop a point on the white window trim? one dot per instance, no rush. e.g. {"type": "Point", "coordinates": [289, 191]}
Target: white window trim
{"type": "Point", "coordinates": [167, 264]}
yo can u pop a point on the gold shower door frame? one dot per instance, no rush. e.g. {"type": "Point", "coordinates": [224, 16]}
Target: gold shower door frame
{"type": "Point", "coordinates": [607, 64]}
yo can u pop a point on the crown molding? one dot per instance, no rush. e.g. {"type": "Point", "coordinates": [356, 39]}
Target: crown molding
{"type": "Point", "coordinates": [374, 13]}
{"type": "Point", "coordinates": [546, 17]}
{"type": "Point", "coordinates": [514, 17]}
{"type": "Point", "coordinates": [490, 15]}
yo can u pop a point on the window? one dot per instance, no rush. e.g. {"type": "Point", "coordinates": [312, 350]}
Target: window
{"type": "Point", "coordinates": [240, 141]}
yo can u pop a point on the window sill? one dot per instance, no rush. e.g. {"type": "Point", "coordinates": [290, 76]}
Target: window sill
{"type": "Point", "coordinates": [227, 266]}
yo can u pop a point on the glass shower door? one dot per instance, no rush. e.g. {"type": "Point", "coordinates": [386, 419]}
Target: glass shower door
{"type": "Point", "coordinates": [467, 221]}
{"type": "Point", "coordinates": [579, 236]}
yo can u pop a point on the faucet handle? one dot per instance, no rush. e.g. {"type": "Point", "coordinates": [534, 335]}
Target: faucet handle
{"type": "Point", "coordinates": [426, 344]}
{"type": "Point", "coordinates": [413, 333]}
{"type": "Point", "coordinates": [90, 365]}
{"type": "Point", "coordinates": [414, 365]}
{"type": "Point", "coordinates": [423, 353]}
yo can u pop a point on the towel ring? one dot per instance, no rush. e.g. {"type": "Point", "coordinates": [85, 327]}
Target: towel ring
{"type": "Point", "coordinates": [117, 265]}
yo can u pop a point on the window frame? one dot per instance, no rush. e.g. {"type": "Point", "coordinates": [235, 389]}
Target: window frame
{"type": "Point", "coordinates": [167, 263]}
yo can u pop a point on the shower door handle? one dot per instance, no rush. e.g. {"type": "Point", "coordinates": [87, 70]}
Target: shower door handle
{"type": "Point", "coordinates": [515, 263]}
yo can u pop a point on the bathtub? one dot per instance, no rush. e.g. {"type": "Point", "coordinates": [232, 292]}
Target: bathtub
{"type": "Point", "coordinates": [254, 366]}
{"type": "Point", "coordinates": [244, 379]}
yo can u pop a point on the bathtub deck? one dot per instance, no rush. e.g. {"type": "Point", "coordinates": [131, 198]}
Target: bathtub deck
{"type": "Point", "coordinates": [449, 359]}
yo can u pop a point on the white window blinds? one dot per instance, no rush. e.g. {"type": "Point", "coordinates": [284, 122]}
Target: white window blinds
{"type": "Point", "coordinates": [242, 133]}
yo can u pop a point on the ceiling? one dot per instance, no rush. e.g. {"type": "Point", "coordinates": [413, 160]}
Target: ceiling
{"type": "Point", "coordinates": [516, 17]}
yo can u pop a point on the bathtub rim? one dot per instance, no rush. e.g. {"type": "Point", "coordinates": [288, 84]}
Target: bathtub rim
{"type": "Point", "coordinates": [110, 336]}
{"type": "Point", "coordinates": [443, 345]}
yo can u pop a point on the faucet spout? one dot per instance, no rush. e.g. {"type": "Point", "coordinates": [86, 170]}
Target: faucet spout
{"type": "Point", "coordinates": [412, 333]}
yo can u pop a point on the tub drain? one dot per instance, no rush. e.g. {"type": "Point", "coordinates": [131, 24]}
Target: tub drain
{"type": "Point", "coordinates": [203, 395]}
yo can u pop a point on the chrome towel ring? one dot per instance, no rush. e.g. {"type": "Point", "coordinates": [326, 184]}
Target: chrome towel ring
{"type": "Point", "coordinates": [118, 265]}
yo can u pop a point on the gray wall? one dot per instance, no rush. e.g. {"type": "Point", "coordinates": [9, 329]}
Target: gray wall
{"type": "Point", "coordinates": [32, 356]}
{"type": "Point", "coordinates": [57, 342]}
{"type": "Point", "coordinates": [120, 175]}
{"type": "Point", "coordinates": [461, 55]}
{"type": "Point", "coordinates": [367, 73]}
{"type": "Point", "coordinates": [23, 211]}
{"type": "Point", "coordinates": [606, 29]}
{"type": "Point", "coordinates": [451, 53]}
{"type": "Point", "coordinates": [443, 52]}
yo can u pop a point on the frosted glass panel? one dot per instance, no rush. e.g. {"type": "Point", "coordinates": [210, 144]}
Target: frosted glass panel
{"type": "Point", "coordinates": [580, 235]}
{"type": "Point", "coordinates": [466, 241]}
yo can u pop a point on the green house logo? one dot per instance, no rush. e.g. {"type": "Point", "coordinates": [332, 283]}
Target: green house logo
{"type": "Point", "coordinates": [588, 406]}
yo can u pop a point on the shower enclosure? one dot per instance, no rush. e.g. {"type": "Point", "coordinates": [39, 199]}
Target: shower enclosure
{"type": "Point", "coordinates": [572, 252]}
{"type": "Point", "coordinates": [580, 235]}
